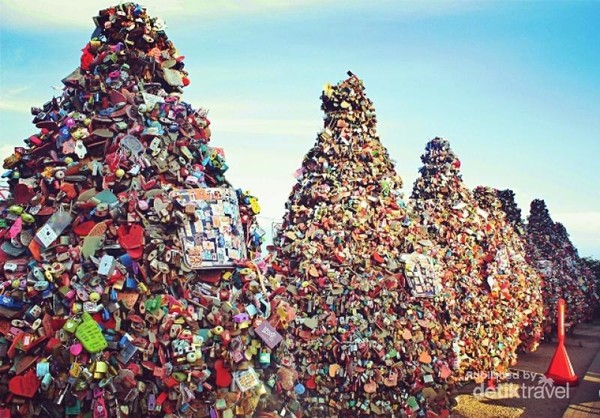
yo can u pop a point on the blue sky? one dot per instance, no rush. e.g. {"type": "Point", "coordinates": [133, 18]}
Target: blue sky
{"type": "Point", "coordinates": [514, 86]}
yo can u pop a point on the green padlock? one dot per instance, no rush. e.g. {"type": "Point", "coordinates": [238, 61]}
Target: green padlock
{"type": "Point", "coordinates": [74, 408]}
{"type": "Point", "coordinates": [71, 325]}
{"type": "Point", "coordinates": [88, 332]}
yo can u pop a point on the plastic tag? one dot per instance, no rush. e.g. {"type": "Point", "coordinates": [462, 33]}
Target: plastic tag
{"type": "Point", "coordinates": [151, 100]}
{"type": "Point", "coordinates": [25, 386]}
{"type": "Point", "coordinates": [80, 149]}
{"type": "Point", "coordinates": [106, 265]}
{"type": "Point", "coordinates": [133, 145]}
{"type": "Point", "coordinates": [16, 228]}
{"type": "Point", "coordinates": [106, 196]}
{"type": "Point", "coordinates": [246, 380]}
{"type": "Point", "coordinates": [268, 334]}
{"type": "Point", "coordinates": [68, 147]}
{"type": "Point", "coordinates": [88, 332]}
{"type": "Point", "coordinates": [99, 408]}
{"type": "Point", "coordinates": [52, 229]}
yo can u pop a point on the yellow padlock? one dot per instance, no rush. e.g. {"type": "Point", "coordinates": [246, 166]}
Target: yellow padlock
{"type": "Point", "coordinates": [254, 205]}
{"type": "Point", "coordinates": [101, 367]}
{"type": "Point", "coordinates": [75, 370]}
{"type": "Point", "coordinates": [142, 287]}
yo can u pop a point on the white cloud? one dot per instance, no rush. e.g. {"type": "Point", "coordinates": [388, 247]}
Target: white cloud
{"type": "Point", "coordinates": [18, 106]}
{"type": "Point", "coordinates": [15, 91]}
{"type": "Point", "coordinates": [14, 99]}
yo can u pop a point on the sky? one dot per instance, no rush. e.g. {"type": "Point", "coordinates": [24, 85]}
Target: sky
{"type": "Point", "coordinates": [514, 86]}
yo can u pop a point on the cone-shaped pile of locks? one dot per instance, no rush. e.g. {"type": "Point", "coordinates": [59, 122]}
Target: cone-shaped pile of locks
{"type": "Point", "coordinates": [578, 269]}
{"type": "Point", "coordinates": [126, 285]}
{"type": "Point", "coordinates": [545, 252]}
{"type": "Point", "coordinates": [513, 215]}
{"type": "Point", "coordinates": [511, 210]}
{"type": "Point", "coordinates": [582, 273]}
{"type": "Point", "coordinates": [551, 252]}
{"type": "Point", "coordinates": [363, 333]}
{"type": "Point", "coordinates": [508, 249]}
{"type": "Point", "coordinates": [483, 313]}
{"type": "Point", "coordinates": [590, 288]}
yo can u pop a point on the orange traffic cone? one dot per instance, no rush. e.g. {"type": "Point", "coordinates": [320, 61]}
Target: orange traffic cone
{"type": "Point", "coordinates": [560, 369]}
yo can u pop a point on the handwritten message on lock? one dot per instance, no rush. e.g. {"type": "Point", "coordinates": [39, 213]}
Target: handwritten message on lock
{"type": "Point", "coordinates": [268, 334]}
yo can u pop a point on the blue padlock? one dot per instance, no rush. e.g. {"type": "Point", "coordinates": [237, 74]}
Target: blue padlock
{"type": "Point", "coordinates": [105, 315]}
{"type": "Point", "coordinates": [130, 283]}
{"type": "Point", "coordinates": [42, 369]}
